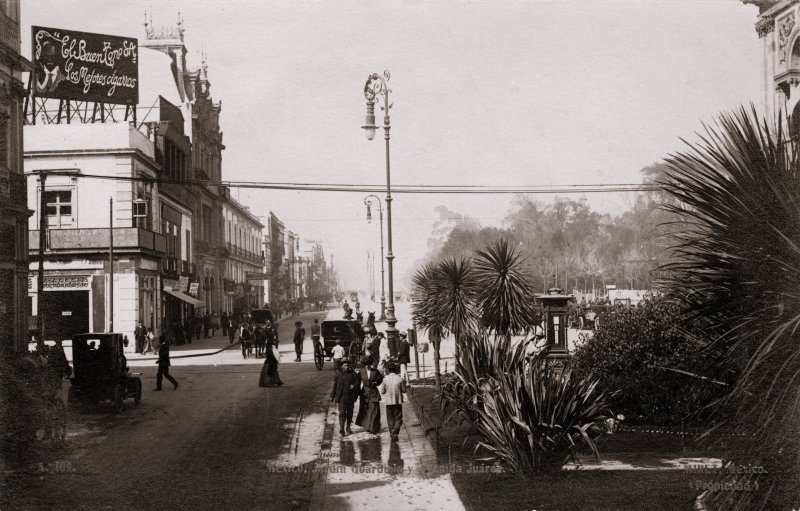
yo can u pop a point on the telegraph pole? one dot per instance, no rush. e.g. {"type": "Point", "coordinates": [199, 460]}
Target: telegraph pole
{"type": "Point", "coordinates": [111, 263]}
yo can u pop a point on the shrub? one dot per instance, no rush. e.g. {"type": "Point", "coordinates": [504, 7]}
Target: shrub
{"type": "Point", "coordinates": [529, 414]}
{"type": "Point", "coordinates": [640, 352]}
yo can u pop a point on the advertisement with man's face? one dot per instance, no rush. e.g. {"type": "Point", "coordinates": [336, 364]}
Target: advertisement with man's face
{"type": "Point", "coordinates": [84, 66]}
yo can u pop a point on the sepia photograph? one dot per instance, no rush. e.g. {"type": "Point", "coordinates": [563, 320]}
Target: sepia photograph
{"type": "Point", "coordinates": [458, 255]}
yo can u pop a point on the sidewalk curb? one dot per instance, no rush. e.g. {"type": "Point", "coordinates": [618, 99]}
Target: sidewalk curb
{"type": "Point", "coordinates": [320, 487]}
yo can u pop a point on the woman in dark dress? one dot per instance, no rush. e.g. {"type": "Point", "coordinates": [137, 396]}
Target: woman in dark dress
{"type": "Point", "coordinates": [369, 410]}
{"type": "Point", "coordinates": [269, 371]}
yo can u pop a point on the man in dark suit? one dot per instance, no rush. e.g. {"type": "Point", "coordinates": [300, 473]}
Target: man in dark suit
{"type": "Point", "coordinates": [369, 410]}
{"type": "Point", "coordinates": [163, 365]}
{"type": "Point", "coordinates": [138, 335]}
{"type": "Point", "coordinates": [346, 389]}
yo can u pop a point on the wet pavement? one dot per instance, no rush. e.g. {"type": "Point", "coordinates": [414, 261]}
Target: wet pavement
{"type": "Point", "coordinates": [364, 470]}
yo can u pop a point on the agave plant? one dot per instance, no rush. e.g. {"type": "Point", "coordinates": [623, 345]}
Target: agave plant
{"type": "Point", "coordinates": [737, 276]}
{"type": "Point", "coordinates": [530, 414]}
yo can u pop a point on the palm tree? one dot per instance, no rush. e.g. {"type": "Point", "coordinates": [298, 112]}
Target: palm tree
{"type": "Point", "coordinates": [737, 275]}
{"type": "Point", "coordinates": [446, 292]}
{"type": "Point", "coordinates": [505, 296]}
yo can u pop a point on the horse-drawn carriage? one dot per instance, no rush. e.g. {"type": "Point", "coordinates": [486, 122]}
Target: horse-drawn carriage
{"type": "Point", "coordinates": [101, 371]}
{"type": "Point", "coordinates": [347, 332]}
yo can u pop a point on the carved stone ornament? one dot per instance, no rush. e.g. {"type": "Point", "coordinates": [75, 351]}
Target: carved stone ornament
{"type": "Point", "coordinates": [784, 31]}
{"type": "Point", "coordinates": [765, 25]}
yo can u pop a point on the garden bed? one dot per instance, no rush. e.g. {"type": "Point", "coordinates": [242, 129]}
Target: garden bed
{"type": "Point", "coordinates": [648, 482]}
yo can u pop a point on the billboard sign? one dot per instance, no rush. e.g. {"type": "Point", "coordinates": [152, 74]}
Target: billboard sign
{"type": "Point", "coordinates": [84, 66]}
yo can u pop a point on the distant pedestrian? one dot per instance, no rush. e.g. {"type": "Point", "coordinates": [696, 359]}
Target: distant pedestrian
{"type": "Point", "coordinates": [232, 328]}
{"type": "Point", "coordinates": [338, 355]}
{"type": "Point", "coordinates": [369, 410]}
{"type": "Point", "coordinates": [163, 366]}
{"type": "Point", "coordinates": [299, 337]}
{"type": "Point", "coordinates": [346, 389]}
{"type": "Point", "coordinates": [206, 325]}
{"type": "Point", "coordinates": [269, 372]}
{"type": "Point", "coordinates": [139, 335]}
{"type": "Point", "coordinates": [214, 323]}
{"type": "Point", "coordinates": [225, 323]}
{"type": "Point", "coordinates": [393, 387]}
{"type": "Point", "coordinates": [315, 332]}
{"type": "Point", "coordinates": [148, 342]}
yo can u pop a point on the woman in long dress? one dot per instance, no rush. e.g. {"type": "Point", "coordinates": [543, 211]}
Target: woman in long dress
{"type": "Point", "coordinates": [369, 409]}
{"type": "Point", "coordinates": [269, 371]}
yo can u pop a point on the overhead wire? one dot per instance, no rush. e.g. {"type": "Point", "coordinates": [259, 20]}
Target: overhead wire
{"type": "Point", "coordinates": [397, 188]}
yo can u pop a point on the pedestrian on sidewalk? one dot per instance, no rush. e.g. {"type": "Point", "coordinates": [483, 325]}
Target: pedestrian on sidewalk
{"type": "Point", "coordinates": [369, 409]}
{"type": "Point", "coordinates": [393, 387]}
{"type": "Point", "coordinates": [206, 324]}
{"type": "Point", "coordinates": [232, 328]}
{"type": "Point", "coordinates": [299, 337]}
{"type": "Point", "coordinates": [404, 355]}
{"type": "Point", "coordinates": [214, 323]}
{"type": "Point", "coordinates": [225, 323]}
{"type": "Point", "coordinates": [346, 389]}
{"type": "Point", "coordinates": [163, 365]}
{"type": "Point", "coordinates": [148, 342]}
{"type": "Point", "coordinates": [139, 335]}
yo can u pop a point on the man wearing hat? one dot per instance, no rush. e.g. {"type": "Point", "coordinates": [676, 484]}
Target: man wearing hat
{"type": "Point", "coordinates": [346, 389]}
{"type": "Point", "coordinates": [403, 355]}
{"type": "Point", "coordinates": [299, 337]}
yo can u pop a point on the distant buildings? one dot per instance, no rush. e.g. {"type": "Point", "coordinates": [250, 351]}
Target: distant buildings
{"type": "Point", "coordinates": [183, 247]}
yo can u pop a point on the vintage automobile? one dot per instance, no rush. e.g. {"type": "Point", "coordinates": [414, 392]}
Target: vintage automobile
{"type": "Point", "coordinates": [100, 371]}
{"type": "Point", "coordinates": [346, 331]}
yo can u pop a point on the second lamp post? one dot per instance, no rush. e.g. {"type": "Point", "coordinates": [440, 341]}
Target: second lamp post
{"type": "Point", "coordinates": [375, 88]}
{"type": "Point", "coordinates": [368, 202]}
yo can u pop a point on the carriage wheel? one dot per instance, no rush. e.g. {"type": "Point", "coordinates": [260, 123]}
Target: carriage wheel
{"type": "Point", "coordinates": [137, 398]}
{"type": "Point", "coordinates": [596, 323]}
{"type": "Point", "coordinates": [119, 396]}
{"type": "Point", "coordinates": [319, 360]}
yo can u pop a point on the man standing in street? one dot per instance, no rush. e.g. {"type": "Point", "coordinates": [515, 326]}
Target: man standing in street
{"type": "Point", "coordinates": [346, 389]}
{"type": "Point", "coordinates": [393, 387]}
{"type": "Point", "coordinates": [299, 337]}
{"type": "Point", "coordinates": [138, 335]}
{"type": "Point", "coordinates": [315, 335]}
{"type": "Point", "coordinates": [163, 365]}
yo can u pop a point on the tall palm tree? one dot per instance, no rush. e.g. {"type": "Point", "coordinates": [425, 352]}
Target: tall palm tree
{"type": "Point", "coordinates": [505, 293]}
{"type": "Point", "coordinates": [737, 275]}
{"type": "Point", "coordinates": [445, 302]}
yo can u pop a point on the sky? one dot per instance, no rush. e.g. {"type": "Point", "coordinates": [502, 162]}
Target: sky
{"type": "Point", "coordinates": [483, 93]}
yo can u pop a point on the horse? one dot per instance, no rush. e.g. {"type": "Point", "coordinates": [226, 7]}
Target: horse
{"type": "Point", "coordinates": [360, 317]}
{"type": "Point", "coordinates": [370, 326]}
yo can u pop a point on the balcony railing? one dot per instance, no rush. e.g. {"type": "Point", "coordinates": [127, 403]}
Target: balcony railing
{"type": "Point", "coordinates": [125, 238]}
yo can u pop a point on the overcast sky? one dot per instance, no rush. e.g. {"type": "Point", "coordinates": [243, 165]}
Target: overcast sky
{"type": "Point", "coordinates": [484, 93]}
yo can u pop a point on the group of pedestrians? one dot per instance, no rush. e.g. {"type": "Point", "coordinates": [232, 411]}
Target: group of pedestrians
{"type": "Point", "coordinates": [256, 340]}
{"type": "Point", "coordinates": [367, 386]}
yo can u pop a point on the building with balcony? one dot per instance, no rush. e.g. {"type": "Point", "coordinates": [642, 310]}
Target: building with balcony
{"type": "Point", "coordinates": [204, 162]}
{"type": "Point", "coordinates": [14, 212]}
{"type": "Point", "coordinates": [88, 177]}
{"type": "Point", "coordinates": [244, 276]}
{"type": "Point", "coordinates": [276, 237]}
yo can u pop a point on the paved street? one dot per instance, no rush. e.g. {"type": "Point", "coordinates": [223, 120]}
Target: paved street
{"type": "Point", "coordinates": [221, 442]}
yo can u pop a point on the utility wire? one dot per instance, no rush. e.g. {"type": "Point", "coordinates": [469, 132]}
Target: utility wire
{"type": "Point", "coordinates": [408, 189]}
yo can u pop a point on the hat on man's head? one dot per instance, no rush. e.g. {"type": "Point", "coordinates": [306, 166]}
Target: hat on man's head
{"type": "Point", "coordinates": [403, 335]}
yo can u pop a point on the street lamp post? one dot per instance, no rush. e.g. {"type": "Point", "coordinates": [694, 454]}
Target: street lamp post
{"type": "Point", "coordinates": [375, 88]}
{"type": "Point", "coordinates": [368, 202]}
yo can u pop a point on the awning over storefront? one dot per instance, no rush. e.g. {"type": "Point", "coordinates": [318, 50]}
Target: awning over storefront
{"type": "Point", "coordinates": [182, 296]}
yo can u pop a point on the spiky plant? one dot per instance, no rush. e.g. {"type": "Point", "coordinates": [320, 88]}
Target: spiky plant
{"type": "Point", "coordinates": [737, 276]}
{"type": "Point", "coordinates": [445, 304]}
{"type": "Point", "coordinates": [505, 293]}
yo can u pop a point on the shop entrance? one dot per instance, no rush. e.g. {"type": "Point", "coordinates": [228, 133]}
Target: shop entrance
{"type": "Point", "coordinates": [65, 313]}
